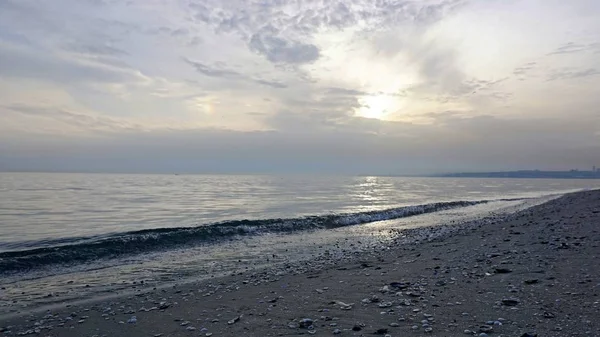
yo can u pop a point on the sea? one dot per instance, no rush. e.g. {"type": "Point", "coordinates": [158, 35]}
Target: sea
{"type": "Point", "coordinates": [66, 237]}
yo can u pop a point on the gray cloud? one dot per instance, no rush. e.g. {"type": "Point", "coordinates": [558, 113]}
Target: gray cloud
{"type": "Point", "coordinates": [276, 56]}
{"type": "Point", "coordinates": [344, 91]}
{"type": "Point", "coordinates": [212, 71]}
{"type": "Point", "coordinates": [573, 47]}
{"type": "Point", "coordinates": [277, 50]}
{"type": "Point", "coordinates": [219, 71]}
{"type": "Point", "coordinates": [275, 29]}
{"type": "Point", "coordinates": [454, 142]}
{"type": "Point", "coordinates": [572, 74]}
{"type": "Point", "coordinates": [79, 120]}
{"type": "Point", "coordinates": [524, 69]}
{"type": "Point", "coordinates": [97, 49]}
{"type": "Point", "coordinates": [272, 84]}
{"type": "Point", "coordinates": [21, 63]}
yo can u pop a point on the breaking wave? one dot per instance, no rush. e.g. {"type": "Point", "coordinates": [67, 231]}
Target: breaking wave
{"type": "Point", "coordinates": [130, 243]}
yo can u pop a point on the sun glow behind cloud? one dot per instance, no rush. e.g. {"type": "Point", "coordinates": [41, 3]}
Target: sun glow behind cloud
{"type": "Point", "coordinates": [443, 68]}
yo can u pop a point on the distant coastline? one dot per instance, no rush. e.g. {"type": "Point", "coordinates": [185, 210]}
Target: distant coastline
{"type": "Point", "coordinates": [572, 174]}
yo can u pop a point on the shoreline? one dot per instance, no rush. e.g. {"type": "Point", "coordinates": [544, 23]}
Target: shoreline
{"type": "Point", "coordinates": [414, 285]}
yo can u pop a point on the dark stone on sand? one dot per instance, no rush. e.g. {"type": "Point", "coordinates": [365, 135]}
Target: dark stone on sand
{"type": "Point", "coordinates": [528, 335]}
{"type": "Point", "coordinates": [502, 271]}
{"type": "Point", "coordinates": [531, 281]}
{"type": "Point", "coordinates": [400, 285]}
{"type": "Point", "coordinates": [305, 323]}
{"type": "Point", "coordinates": [381, 331]}
{"type": "Point", "coordinates": [510, 302]}
{"type": "Point", "coordinates": [356, 328]}
{"type": "Point", "coordinates": [486, 328]}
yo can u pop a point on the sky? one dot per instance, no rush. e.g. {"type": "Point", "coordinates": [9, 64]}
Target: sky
{"type": "Point", "coordinates": [265, 86]}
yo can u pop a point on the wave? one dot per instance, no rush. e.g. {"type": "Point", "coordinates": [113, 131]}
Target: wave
{"type": "Point", "coordinates": [131, 243]}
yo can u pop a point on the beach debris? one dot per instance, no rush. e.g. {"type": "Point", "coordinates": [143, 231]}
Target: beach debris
{"type": "Point", "coordinates": [132, 320]}
{"type": "Point", "coordinates": [163, 305]}
{"type": "Point", "coordinates": [394, 325]}
{"type": "Point", "coordinates": [400, 285]}
{"type": "Point", "coordinates": [234, 320]}
{"type": "Point", "coordinates": [412, 294]}
{"type": "Point", "coordinates": [502, 271]}
{"type": "Point", "coordinates": [531, 281]}
{"type": "Point", "coordinates": [510, 302]}
{"type": "Point", "coordinates": [373, 299]}
{"type": "Point", "coordinates": [343, 305]}
{"type": "Point", "coordinates": [190, 328]}
{"type": "Point", "coordinates": [486, 328]}
{"type": "Point", "coordinates": [385, 304]}
{"type": "Point", "coordinates": [548, 315]}
{"type": "Point", "coordinates": [358, 326]}
{"type": "Point", "coordinates": [428, 329]}
{"type": "Point", "coordinates": [306, 323]}
{"type": "Point", "coordinates": [337, 331]}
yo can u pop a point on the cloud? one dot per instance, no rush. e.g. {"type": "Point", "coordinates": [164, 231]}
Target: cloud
{"type": "Point", "coordinates": [524, 69]}
{"type": "Point", "coordinates": [219, 71]}
{"type": "Point", "coordinates": [22, 63]}
{"type": "Point", "coordinates": [304, 70]}
{"type": "Point", "coordinates": [80, 120]}
{"type": "Point", "coordinates": [279, 50]}
{"type": "Point", "coordinates": [454, 141]}
{"type": "Point", "coordinates": [212, 71]}
{"type": "Point", "coordinates": [572, 74]}
{"type": "Point", "coordinates": [97, 49]}
{"type": "Point", "coordinates": [272, 84]}
{"type": "Point", "coordinates": [573, 47]}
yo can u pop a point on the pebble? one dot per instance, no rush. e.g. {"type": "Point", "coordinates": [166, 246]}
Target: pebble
{"type": "Point", "coordinates": [486, 328]}
{"type": "Point", "coordinates": [510, 302]}
{"type": "Point", "coordinates": [306, 323]}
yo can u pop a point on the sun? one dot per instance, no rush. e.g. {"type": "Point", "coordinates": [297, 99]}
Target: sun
{"type": "Point", "coordinates": [375, 106]}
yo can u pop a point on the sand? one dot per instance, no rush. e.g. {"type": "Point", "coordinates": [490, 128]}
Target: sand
{"type": "Point", "coordinates": [536, 272]}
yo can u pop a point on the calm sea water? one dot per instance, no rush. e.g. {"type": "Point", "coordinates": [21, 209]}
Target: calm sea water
{"type": "Point", "coordinates": [36, 208]}
{"type": "Point", "coordinates": [68, 237]}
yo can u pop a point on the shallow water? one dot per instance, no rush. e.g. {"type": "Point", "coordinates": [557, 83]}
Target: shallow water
{"type": "Point", "coordinates": [37, 212]}
{"type": "Point", "coordinates": [41, 209]}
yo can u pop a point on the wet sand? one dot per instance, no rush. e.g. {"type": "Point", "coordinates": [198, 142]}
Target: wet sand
{"type": "Point", "coordinates": [536, 272]}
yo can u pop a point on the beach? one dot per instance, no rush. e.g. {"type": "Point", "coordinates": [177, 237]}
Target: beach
{"type": "Point", "coordinates": [535, 272]}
